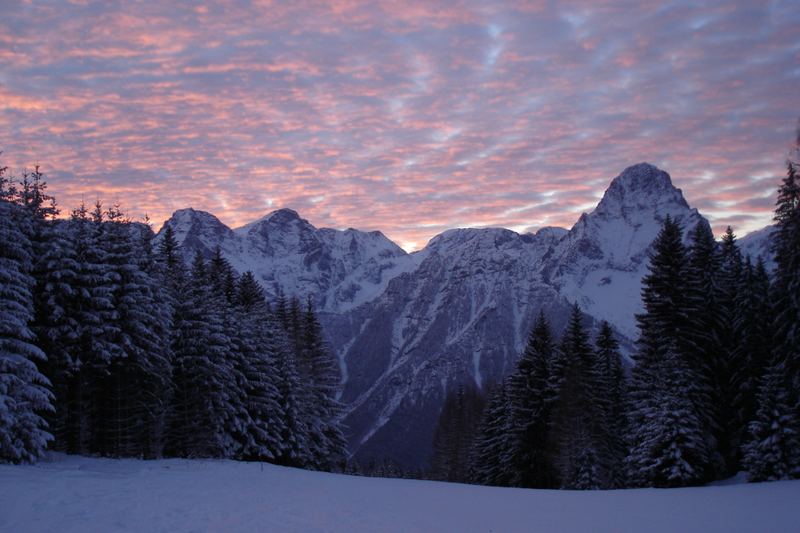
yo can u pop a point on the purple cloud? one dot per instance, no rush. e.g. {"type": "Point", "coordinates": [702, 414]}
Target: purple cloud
{"type": "Point", "coordinates": [410, 118]}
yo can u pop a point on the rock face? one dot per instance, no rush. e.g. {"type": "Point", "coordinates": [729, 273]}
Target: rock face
{"type": "Point", "coordinates": [409, 327]}
{"type": "Point", "coordinates": [600, 263]}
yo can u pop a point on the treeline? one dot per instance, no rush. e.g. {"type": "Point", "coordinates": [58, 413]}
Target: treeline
{"type": "Point", "coordinates": [111, 345]}
{"type": "Point", "coordinates": [715, 388]}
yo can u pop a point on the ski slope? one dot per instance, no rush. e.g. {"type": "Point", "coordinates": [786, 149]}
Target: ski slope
{"type": "Point", "coordinates": [78, 494]}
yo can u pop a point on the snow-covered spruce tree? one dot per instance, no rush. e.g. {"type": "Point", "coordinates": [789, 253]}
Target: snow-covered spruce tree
{"type": "Point", "coordinates": [455, 434]}
{"type": "Point", "coordinates": [786, 293]}
{"type": "Point", "coordinates": [223, 281]}
{"type": "Point", "coordinates": [753, 325]}
{"type": "Point", "coordinates": [322, 375]}
{"type": "Point", "coordinates": [729, 339]}
{"type": "Point", "coordinates": [92, 310]}
{"type": "Point", "coordinates": [56, 272]}
{"type": "Point", "coordinates": [669, 444]}
{"type": "Point", "coordinates": [135, 388]}
{"type": "Point", "coordinates": [700, 340]}
{"type": "Point", "coordinates": [491, 452]}
{"type": "Point", "coordinates": [261, 352]}
{"type": "Point", "coordinates": [577, 415]}
{"type": "Point", "coordinates": [662, 329]}
{"type": "Point", "coordinates": [24, 394]}
{"type": "Point", "coordinates": [530, 402]}
{"type": "Point", "coordinates": [205, 410]}
{"type": "Point", "coordinates": [609, 397]}
{"type": "Point", "coordinates": [153, 369]}
{"type": "Point", "coordinates": [771, 451]}
{"type": "Point", "coordinates": [295, 443]}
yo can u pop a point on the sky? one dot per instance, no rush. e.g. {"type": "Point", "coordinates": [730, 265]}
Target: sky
{"type": "Point", "coordinates": [408, 117]}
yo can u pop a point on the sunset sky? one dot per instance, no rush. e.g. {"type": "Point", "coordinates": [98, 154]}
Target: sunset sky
{"type": "Point", "coordinates": [408, 117]}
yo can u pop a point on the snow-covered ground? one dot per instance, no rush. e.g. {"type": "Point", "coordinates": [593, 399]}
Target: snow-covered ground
{"type": "Point", "coordinates": [81, 494]}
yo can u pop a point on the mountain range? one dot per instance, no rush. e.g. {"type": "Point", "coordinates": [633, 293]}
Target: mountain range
{"type": "Point", "coordinates": [409, 327]}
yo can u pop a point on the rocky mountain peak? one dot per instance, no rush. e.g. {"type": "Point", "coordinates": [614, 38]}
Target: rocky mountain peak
{"type": "Point", "coordinates": [196, 225]}
{"type": "Point", "coordinates": [640, 187]}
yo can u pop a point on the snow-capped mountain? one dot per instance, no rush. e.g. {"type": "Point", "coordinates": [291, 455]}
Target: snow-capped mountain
{"type": "Point", "coordinates": [408, 328]}
{"type": "Point", "coordinates": [465, 312]}
{"type": "Point", "coordinates": [600, 263]}
{"type": "Point", "coordinates": [462, 316]}
{"type": "Point", "coordinates": [338, 269]}
{"type": "Point", "coordinates": [758, 244]}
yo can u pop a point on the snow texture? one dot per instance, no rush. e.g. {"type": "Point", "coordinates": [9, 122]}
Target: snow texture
{"type": "Point", "coordinates": [76, 494]}
{"type": "Point", "coordinates": [408, 327]}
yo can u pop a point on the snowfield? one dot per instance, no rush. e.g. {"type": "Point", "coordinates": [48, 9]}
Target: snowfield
{"type": "Point", "coordinates": [68, 493]}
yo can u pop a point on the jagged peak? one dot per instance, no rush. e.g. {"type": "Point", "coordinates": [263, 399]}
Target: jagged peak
{"type": "Point", "coordinates": [641, 185]}
{"type": "Point", "coordinates": [188, 217]}
{"type": "Point", "coordinates": [642, 177]}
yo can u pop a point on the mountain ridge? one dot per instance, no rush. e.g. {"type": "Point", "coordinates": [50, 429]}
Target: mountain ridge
{"type": "Point", "coordinates": [409, 327]}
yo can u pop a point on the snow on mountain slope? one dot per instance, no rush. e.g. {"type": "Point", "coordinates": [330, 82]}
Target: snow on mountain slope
{"type": "Point", "coordinates": [338, 269]}
{"type": "Point", "coordinates": [78, 494]}
{"type": "Point", "coordinates": [600, 263]}
{"type": "Point", "coordinates": [758, 244]}
{"type": "Point", "coordinates": [407, 328]}
{"type": "Point", "coordinates": [462, 316]}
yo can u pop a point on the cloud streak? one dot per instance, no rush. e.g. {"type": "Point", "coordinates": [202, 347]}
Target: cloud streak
{"type": "Point", "coordinates": [407, 117]}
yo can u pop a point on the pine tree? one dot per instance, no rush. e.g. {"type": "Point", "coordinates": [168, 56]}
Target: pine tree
{"type": "Point", "coordinates": [666, 448]}
{"type": "Point", "coordinates": [577, 413]}
{"type": "Point", "coordinates": [24, 393]}
{"type": "Point", "coordinates": [295, 442]}
{"type": "Point", "coordinates": [455, 433]}
{"type": "Point", "coordinates": [705, 325]}
{"type": "Point", "coordinates": [204, 420]}
{"type": "Point", "coordinates": [490, 464]}
{"type": "Point", "coordinates": [787, 279]}
{"type": "Point", "coordinates": [749, 359]}
{"type": "Point", "coordinates": [321, 373]}
{"type": "Point", "coordinates": [609, 400]}
{"type": "Point", "coordinates": [773, 452]}
{"type": "Point", "coordinates": [136, 387]}
{"type": "Point", "coordinates": [531, 400]}
{"type": "Point", "coordinates": [263, 343]}
{"type": "Point", "coordinates": [729, 340]}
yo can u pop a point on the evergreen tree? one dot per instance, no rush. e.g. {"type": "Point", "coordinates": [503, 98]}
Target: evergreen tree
{"type": "Point", "coordinates": [490, 464]}
{"type": "Point", "coordinates": [749, 359]}
{"type": "Point", "coordinates": [786, 294]}
{"type": "Point", "coordinates": [295, 444]}
{"type": "Point", "coordinates": [609, 400]}
{"type": "Point", "coordinates": [773, 452]}
{"type": "Point", "coordinates": [205, 415]}
{"type": "Point", "coordinates": [666, 448]}
{"type": "Point", "coordinates": [705, 326]}
{"type": "Point", "coordinates": [577, 414]}
{"type": "Point", "coordinates": [668, 445]}
{"type": "Point", "coordinates": [321, 373]}
{"type": "Point", "coordinates": [264, 344]}
{"type": "Point", "coordinates": [136, 387]}
{"type": "Point", "coordinates": [531, 399]}
{"type": "Point", "coordinates": [455, 433]}
{"type": "Point", "coordinates": [24, 393]}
